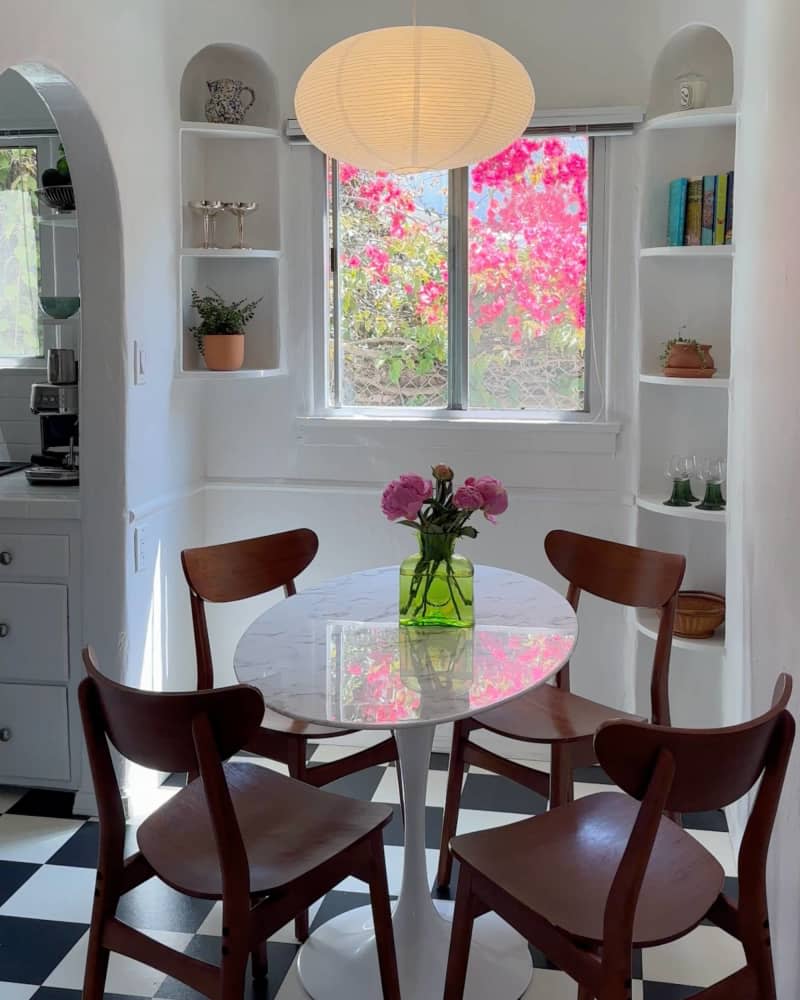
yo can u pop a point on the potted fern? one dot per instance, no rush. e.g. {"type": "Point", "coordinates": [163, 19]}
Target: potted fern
{"type": "Point", "coordinates": [220, 334]}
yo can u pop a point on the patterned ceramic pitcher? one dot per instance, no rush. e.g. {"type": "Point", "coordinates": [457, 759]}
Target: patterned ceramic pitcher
{"type": "Point", "coordinates": [225, 106]}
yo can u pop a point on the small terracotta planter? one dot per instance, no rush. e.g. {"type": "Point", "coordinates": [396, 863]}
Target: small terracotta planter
{"type": "Point", "coordinates": [690, 361]}
{"type": "Point", "coordinates": [223, 352]}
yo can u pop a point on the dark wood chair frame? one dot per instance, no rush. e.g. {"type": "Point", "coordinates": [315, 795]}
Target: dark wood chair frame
{"type": "Point", "coordinates": [234, 571]}
{"type": "Point", "coordinates": [622, 574]}
{"type": "Point", "coordinates": [176, 732]}
{"type": "Point", "coordinates": [678, 770]}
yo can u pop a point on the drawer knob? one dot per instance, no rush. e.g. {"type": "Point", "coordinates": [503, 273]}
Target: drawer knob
{"type": "Point", "coordinates": [4, 630]}
{"type": "Point", "coordinates": [6, 558]}
{"type": "Point", "coordinates": [5, 735]}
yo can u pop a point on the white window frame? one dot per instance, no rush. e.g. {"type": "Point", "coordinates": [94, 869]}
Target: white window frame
{"type": "Point", "coordinates": [595, 350]}
{"type": "Point", "coordinates": [44, 144]}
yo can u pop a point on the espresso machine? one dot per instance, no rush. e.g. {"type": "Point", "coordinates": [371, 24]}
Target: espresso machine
{"type": "Point", "coordinates": [56, 403]}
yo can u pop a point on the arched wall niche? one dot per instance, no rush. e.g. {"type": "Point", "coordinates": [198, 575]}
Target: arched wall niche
{"type": "Point", "coordinates": [239, 63]}
{"type": "Point", "coordinates": [697, 48]}
{"type": "Point", "coordinates": [103, 365]}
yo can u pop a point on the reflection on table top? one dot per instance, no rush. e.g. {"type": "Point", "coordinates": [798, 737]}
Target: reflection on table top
{"type": "Point", "coordinates": [335, 654]}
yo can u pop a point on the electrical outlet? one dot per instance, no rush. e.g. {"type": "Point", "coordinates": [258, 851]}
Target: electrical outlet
{"type": "Point", "coordinates": [139, 550]}
{"type": "Point", "coordinates": [139, 364]}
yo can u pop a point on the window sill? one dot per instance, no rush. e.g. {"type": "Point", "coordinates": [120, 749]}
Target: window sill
{"type": "Point", "coordinates": [530, 435]}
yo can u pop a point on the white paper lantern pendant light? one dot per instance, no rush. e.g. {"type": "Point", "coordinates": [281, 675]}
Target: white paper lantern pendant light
{"type": "Point", "coordinates": [414, 98]}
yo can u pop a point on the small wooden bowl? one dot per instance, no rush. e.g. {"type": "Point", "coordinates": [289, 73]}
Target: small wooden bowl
{"type": "Point", "coordinates": [698, 614]}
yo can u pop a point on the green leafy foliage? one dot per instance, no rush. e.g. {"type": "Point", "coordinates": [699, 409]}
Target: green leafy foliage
{"type": "Point", "coordinates": [220, 317]}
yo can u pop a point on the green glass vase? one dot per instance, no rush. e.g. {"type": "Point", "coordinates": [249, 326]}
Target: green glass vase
{"type": "Point", "coordinates": [436, 585]}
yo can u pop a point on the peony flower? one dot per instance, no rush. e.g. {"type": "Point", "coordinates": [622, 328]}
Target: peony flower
{"type": "Point", "coordinates": [467, 497]}
{"type": "Point", "coordinates": [442, 473]}
{"type": "Point", "coordinates": [493, 494]}
{"type": "Point", "coordinates": [405, 496]}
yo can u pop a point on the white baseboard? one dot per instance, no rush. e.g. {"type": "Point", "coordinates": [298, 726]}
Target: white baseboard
{"type": "Point", "coordinates": [85, 804]}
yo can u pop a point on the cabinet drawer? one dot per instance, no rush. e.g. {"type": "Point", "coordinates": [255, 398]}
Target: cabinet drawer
{"type": "Point", "coordinates": [33, 556]}
{"type": "Point", "coordinates": [34, 643]}
{"type": "Point", "coordinates": [34, 735]}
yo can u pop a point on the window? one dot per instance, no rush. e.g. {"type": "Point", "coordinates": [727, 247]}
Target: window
{"type": "Point", "coordinates": [19, 253]}
{"type": "Point", "coordinates": [467, 290]}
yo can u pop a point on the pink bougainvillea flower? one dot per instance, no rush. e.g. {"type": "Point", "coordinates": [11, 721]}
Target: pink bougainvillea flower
{"type": "Point", "coordinates": [405, 496]}
{"type": "Point", "coordinates": [468, 498]}
{"type": "Point", "coordinates": [493, 494]}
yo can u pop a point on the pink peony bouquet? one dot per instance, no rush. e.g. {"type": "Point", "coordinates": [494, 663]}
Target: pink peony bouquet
{"type": "Point", "coordinates": [440, 509]}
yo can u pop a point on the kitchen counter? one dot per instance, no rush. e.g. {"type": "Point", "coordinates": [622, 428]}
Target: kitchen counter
{"type": "Point", "coordinates": [19, 499]}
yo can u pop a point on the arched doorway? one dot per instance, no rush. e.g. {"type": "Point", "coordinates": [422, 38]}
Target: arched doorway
{"type": "Point", "coordinates": [102, 382]}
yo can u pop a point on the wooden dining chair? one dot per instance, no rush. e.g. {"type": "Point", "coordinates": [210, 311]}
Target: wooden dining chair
{"type": "Point", "coordinates": [235, 571]}
{"type": "Point", "coordinates": [264, 844]}
{"type": "Point", "coordinates": [590, 881]}
{"type": "Point", "coordinates": [552, 714]}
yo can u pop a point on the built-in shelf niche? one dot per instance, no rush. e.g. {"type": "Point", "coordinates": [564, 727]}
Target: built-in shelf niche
{"type": "Point", "coordinates": [688, 153]}
{"type": "Point", "coordinates": [216, 168]}
{"type": "Point", "coordinates": [236, 62]}
{"type": "Point", "coordinates": [694, 49]}
{"type": "Point", "coordinates": [236, 278]}
{"type": "Point", "coordinates": [686, 298]}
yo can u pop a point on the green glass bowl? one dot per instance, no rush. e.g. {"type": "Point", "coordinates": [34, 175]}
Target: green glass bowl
{"type": "Point", "coordinates": [60, 306]}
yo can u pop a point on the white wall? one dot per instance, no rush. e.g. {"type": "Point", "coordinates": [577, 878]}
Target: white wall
{"type": "Point", "coordinates": [271, 470]}
{"type": "Point", "coordinates": [765, 425]}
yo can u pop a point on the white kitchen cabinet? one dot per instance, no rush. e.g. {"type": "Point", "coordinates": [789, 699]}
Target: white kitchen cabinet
{"type": "Point", "coordinates": [40, 641]}
{"type": "Point", "coordinates": [34, 632]}
{"type": "Point", "coordinates": [34, 734]}
{"type": "Point", "coordinates": [24, 556]}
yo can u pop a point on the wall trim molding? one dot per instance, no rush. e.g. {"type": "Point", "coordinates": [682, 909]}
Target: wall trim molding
{"type": "Point", "coordinates": [164, 501]}
{"type": "Point", "coordinates": [283, 485]}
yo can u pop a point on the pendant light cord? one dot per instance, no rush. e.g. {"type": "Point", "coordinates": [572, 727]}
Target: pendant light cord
{"type": "Point", "coordinates": [414, 13]}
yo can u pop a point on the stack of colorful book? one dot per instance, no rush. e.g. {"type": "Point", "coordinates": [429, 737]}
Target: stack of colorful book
{"type": "Point", "coordinates": [701, 211]}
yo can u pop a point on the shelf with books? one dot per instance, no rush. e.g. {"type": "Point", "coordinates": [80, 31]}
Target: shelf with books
{"type": "Point", "coordinates": [700, 210]}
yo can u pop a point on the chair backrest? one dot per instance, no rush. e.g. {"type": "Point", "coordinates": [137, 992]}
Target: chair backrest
{"type": "Point", "coordinates": [713, 767]}
{"type": "Point", "coordinates": [238, 570]}
{"type": "Point", "coordinates": [624, 574]}
{"type": "Point", "coordinates": [688, 770]}
{"type": "Point", "coordinates": [627, 575]}
{"type": "Point", "coordinates": [154, 729]}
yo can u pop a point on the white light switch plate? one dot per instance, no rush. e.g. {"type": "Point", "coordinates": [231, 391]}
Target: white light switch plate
{"type": "Point", "coordinates": [139, 364]}
{"type": "Point", "coordinates": [139, 550]}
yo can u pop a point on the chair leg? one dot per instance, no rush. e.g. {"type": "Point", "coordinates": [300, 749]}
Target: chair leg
{"type": "Point", "coordinates": [460, 939]}
{"type": "Point", "coordinates": [561, 786]}
{"type": "Point", "coordinates": [584, 993]}
{"type": "Point", "coordinates": [382, 920]}
{"type": "Point", "coordinates": [455, 779]}
{"type": "Point", "coordinates": [400, 790]}
{"type": "Point", "coordinates": [105, 906]}
{"type": "Point", "coordinates": [259, 963]}
{"type": "Point", "coordinates": [94, 981]}
{"type": "Point", "coordinates": [297, 770]}
{"type": "Point", "coordinates": [232, 974]}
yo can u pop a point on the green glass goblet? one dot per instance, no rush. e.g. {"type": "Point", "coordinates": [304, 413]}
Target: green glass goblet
{"type": "Point", "coordinates": [681, 494]}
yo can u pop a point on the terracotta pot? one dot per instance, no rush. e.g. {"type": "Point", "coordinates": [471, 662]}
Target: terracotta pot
{"type": "Point", "coordinates": [224, 352]}
{"type": "Point", "coordinates": [690, 360]}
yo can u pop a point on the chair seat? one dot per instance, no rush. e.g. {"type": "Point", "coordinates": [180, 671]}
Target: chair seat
{"type": "Point", "coordinates": [560, 865]}
{"type": "Point", "coordinates": [550, 715]}
{"type": "Point", "coordinates": [288, 829]}
{"type": "Point", "coordinates": [275, 722]}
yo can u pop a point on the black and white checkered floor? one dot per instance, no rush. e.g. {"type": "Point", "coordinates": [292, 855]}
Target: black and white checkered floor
{"type": "Point", "coordinates": [47, 861]}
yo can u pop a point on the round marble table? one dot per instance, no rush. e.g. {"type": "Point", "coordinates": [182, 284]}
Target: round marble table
{"type": "Point", "coordinates": [336, 655]}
